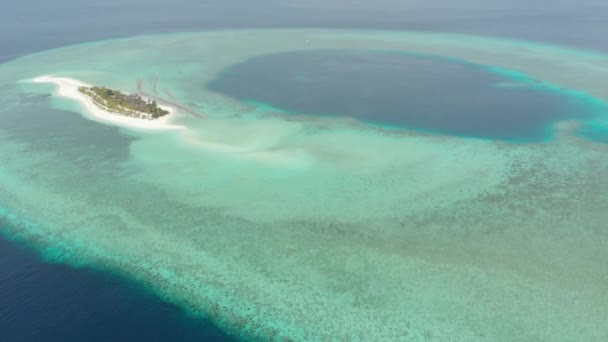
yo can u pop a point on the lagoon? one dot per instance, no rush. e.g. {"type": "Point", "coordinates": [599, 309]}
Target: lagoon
{"type": "Point", "coordinates": [406, 91]}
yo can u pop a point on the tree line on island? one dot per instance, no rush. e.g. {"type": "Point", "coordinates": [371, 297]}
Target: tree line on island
{"type": "Point", "coordinates": [127, 104]}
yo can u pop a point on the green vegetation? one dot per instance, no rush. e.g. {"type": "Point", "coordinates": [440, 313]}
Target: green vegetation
{"type": "Point", "coordinates": [127, 104]}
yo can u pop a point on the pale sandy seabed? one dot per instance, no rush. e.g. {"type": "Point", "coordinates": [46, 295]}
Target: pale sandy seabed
{"type": "Point", "coordinates": [314, 228]}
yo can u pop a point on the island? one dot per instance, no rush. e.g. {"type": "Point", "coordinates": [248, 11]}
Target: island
{"type": "Point", "coordinates": [131, 105]}
{"type": "Point", "coordinates": [138, 111]}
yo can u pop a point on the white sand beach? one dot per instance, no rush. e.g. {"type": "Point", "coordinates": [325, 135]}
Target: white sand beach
{"type": "Point", "coordinates": [68, 87]}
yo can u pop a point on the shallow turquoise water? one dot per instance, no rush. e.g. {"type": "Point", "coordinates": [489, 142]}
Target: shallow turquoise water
{"type": "Point", "coordinates": [596, 131]}
{"type": "Point", "coordinates": [268, 222]}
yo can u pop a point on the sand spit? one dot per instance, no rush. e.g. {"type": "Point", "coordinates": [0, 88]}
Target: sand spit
{"type": "Point", "coordinates": [68, 87]}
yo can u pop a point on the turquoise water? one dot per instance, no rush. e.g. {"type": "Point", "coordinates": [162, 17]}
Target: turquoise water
{"type": "Point", "coordinates": [392, 89]}
{"type": "Point", "coordinates": [268, 222]}
{"type": "Point", "coordinates": [597, 131]}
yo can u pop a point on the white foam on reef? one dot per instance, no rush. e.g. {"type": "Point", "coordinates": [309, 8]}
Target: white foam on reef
{"type": "Point", "coordinates": [68, 87]}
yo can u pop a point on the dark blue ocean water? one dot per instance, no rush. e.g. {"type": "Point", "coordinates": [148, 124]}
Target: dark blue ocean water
{"type": "Point", "coordinates": [392, 89]}
{"type": "Point", "coordinates": [53, 302]}
{"type": "Point", "coordinates": [33, 25]}
{"type": "Point", "coordinates": [46, 302]}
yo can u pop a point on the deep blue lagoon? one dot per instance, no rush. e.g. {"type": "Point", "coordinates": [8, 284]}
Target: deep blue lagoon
{"type": "Point", "coordinates": [393, 89]}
